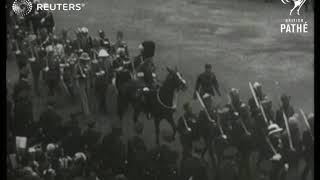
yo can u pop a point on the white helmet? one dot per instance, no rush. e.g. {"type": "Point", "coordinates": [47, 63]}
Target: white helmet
{"type": "Point", "coordinates": [103, 53]}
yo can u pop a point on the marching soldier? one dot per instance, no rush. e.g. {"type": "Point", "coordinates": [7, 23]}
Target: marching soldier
{"type": "Point", "coordinates": [36, 64]}
{"type": "Point", "coordinates": [137, 153]}
{"type": "Point", "coordinates": [285, 108]}
{"type": "Point", "coordinates": [188, 129]}
{"type": "Point", "coordinates": [162, 161]}
{"type": "Point", "coordinates": [104, 42]}
{"type": "Point", "coordinates": [308, 148]}
{"type": "Point", "coordinates": [23, 107]}
{"type": "Point", "coordinates": [83, 81]}
{"type": "Point", "coordinates": [84, 40]}
{"type": "Point", "coordinates": [122, 66]}
{"type": "Point", "coordinates": [260, 97]}
{"type": "Point", "coordinates": [67, 67]}
{"type": "Point", "coordinates": [194, 166]}
{"type": "Point", "coordinates": [58, 49]}
{"type": "Point", "coordinates": [120, 43]}
{"type": "Point", "coordinates": [207, 82]}
{"type": "Point", "coordinates": [101, 79]}
{"type": "Point", "coordinates": [52, 71]}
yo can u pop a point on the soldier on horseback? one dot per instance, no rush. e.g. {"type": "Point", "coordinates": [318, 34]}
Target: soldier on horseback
{"type": "Point", "coordinates": [206, 83]}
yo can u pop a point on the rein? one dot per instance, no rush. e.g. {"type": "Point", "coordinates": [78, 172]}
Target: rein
{"type": "Point", "coordinates": [175, 100]}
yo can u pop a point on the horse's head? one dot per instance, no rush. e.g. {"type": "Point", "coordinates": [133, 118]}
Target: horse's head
{"type": "Point", "coordinates": [176, 80]}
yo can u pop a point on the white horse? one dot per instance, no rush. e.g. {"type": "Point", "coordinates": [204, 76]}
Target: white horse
{"type": "Point", "coordinates": [297, 4]}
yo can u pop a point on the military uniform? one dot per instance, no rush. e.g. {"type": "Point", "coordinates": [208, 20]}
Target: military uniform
{"type": "Point", "coordinates": [187, 136]}
{"type": "Point", "coordinates": [36, 65]}
{"type": "Point", "coordinates": [206, 83]}
{"type": "Point", "coordinates": [53, 76]}
{"type": "Point", "coordinates": [23, 107]}
{"type": "Point", "coordinates": [122, 67]}
{"type": "Point", "coordinates": [83, 82]}
{"type": "Point", "coordinates": [308, 151]}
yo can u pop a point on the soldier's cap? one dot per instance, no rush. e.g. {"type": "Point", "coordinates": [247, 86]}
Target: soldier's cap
{"type": "Point", "coordinates": [310, 116]}
{"type": "Point", "coordinates": [293, 120]}
{"type": "Point", "coordinates": [100, 31]}
{"type": "Point", "coordinates": [274, 128]}
{"type": "Point", "coordinates": [285, 97]}
{"type": "Point", "coordinates": [105, 42]}
{"type": "Point", "coordinates": [51, 147]}
{"type": "Point", "coordinates": [140, 47]}
{"type": "Point", "coordinates": [80, 156]}
{"type": "Point", "coordinates": [206, 96]}
{"type": "Point", "coordinates": [256, 85]}
{"type": "Point", "coordinates": [84, 56]}
{"type": "Point", "coordinates": [84, 30]}
{"type": "Point", "coordinates": [120, 50]}
{"type": "Point", "coordinates": [207, 66]}
{"type": "Point", "coordinates": [103, 53]}
{"type": "Point", "coordinates": [167, 135]}
{"type": "Point", "coordinates": [230, 152]}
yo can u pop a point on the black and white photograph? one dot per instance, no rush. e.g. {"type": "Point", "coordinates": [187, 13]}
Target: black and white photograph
{"type": "Point", "coordinates": [160, 89]}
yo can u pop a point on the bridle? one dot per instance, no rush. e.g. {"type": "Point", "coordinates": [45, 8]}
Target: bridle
{"type": "Point", "coordinates": [175, 100]}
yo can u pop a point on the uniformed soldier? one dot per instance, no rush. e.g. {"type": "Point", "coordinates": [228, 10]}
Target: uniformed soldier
{"type": "Point", "coordinates": [285, 108]}
{"type": "Point", "coordinates": [137, 154]}
{"type": "Point", "coordinates": [279, 160]}
{"type": "Point", "coordinates": [83, 81]}
{"type": "Point", "coordinates": [308, 148]}
{"type": "Point", "coordinates": [47, 21]}
{"type": "Point", "coordinates": [162, 160]}
{"type": "Point", "coordinates": [188, 129]}
{"type": "Point", "coordinates": [104, 42]}
{"type": "Point", "coordinates": [120, 43]}
{"type": "Point", "coordinates": [67, 68]}
{"type": "Point", "coordinates": [255, 111]}
{"type": "Point", "coordinates": [194, 166]}
{"type": "Point", "coordinates": [52, 71]}
{"type": "Point", "coordinates": [50, 121]}
{"type": "Point", "coordinates": [85, 41]}
{"type": "Point", "coordinates": [122, 66]}
{"type": "Point", "coordinates": [207, 82]}
{"type": "Point", "coordinates": [23, 107]}
{"type": "Point", "coordinates": [146, 70]}
{"type": "Point", "coordinates": [36, 63]}
{"type": "Point", "coordinates": [58, 49]}
{"type": "Point", "coordinates": [101, 79]}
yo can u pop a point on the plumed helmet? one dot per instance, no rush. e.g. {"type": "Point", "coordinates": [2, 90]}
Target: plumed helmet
{"type": "Point", "coordinates": [103, 53]}
{"type": "Point", "coordinates": [274, 128]}
{"type": "Point", "coordinates": [80, 156]}
{"type": "Point", "coordinates": [148, 49]}
{"type": "Point", "coordinates": [84, 56]}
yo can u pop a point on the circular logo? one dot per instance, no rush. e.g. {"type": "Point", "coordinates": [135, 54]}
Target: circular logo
{"type": "Point", "coordinates": [22, 7]}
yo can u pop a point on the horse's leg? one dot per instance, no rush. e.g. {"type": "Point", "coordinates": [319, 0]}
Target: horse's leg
{"type": "Point", "coordinates": [136, 113]}
{"type": "Point", "coordinates": [157, 128]}
{"type": "Point", "coordinates": [173, 125]}
{"type": "Point", "coordinates": [122, 105]}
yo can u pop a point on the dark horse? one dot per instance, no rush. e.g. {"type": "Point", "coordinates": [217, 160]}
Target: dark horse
{"type": "Point", "coordinates": [158, 102]}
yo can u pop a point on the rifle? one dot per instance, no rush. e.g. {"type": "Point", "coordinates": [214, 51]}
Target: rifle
{"type": "Point", "coordinates": [240, 118]}
{"type": "Point", "coordinates": [185, 123]}
{"type": "Point", "coordinates": [305, 120]}
{"type": "Point", "coordinates": [288, 130]}
{"type": "Point", "coordinates": [209, 117]}
{"type": "Point", "coordinates": [264, 117]}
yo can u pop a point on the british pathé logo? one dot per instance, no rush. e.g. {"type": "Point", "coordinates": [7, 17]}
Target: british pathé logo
{"type": "Point", "coordinates": [294, 26]}
{"type": "Point", "coordinates": [22, 7]}
{"type": "Point", "coordinates": [297, 4]}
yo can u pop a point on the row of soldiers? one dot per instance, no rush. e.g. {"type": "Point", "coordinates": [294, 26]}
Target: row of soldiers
{"type": "Point", "coordinates": [228, 134]}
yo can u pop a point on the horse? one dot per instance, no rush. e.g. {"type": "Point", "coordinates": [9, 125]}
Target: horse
{"type": "Point", "coordinates": [297, 4]}
{"type": "Point", "coordinates": [158, 102]}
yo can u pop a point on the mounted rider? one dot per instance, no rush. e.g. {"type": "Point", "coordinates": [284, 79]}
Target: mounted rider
{"type": "Point", "coordinates": [146, 70]}
{"type": "Point", "coordinates": [206, 83]}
